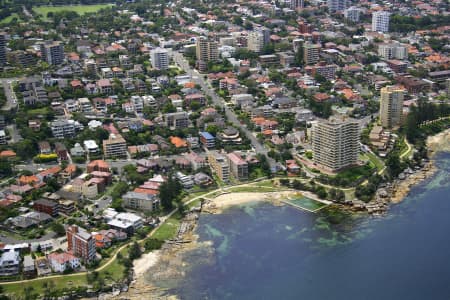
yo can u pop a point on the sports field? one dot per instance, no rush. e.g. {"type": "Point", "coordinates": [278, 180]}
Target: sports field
{"type": "Point", "coordinates": [80, 9]}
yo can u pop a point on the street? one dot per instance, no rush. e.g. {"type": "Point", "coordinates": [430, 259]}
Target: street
{"type": "Point", "coordinates": [198, 79]}
{"type": "Point", "coordinates": [11, 99]}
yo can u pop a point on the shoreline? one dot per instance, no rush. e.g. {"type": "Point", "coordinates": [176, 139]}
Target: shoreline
{"type": "Point", "coordinates": [168, 262]}
{"type": "Point", "coordinates": [217, 204]}
{"type": "Point", "coordinates": [435, 144]}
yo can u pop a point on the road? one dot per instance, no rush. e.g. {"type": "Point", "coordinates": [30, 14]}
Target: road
{"type": "Point", "coordinates": [231, 116]}
{"type": "Point", "coordinates": [11, 99]}
{"type": "Point", "coordinates": [14, 133]}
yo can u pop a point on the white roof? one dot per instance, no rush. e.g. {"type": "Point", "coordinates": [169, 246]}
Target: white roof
{"type": "Point", "coordinates": [90, 144]}
{"type": "Point", "coordinates": [130, 217]}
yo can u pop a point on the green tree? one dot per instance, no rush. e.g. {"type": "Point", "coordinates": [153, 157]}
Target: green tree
{"type": "Point", "coordinates": [393, 164]}
{"type": "Point", "coordinates": [58, 229]}
{"type": "Point", "coordinates": [135, 251]}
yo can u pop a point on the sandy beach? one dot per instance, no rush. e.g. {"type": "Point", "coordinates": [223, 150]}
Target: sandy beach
{"type": "Point", "coordinates": [231, 199]}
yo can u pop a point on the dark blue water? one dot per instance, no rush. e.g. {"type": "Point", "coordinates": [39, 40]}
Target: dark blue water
{"type": "Point", "coordinates": [267, 252]}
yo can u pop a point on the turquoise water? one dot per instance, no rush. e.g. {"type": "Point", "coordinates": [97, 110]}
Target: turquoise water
{"type": "Point", "coordinates": [266, 252]}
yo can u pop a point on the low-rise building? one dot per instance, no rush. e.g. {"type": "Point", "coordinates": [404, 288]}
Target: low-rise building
{"type": "Point", "coordinates": [207, 139]}
{"type": "Point", "coordinates": [61, 262]}
{"type": "Point", "coordinates": [46, 206]}
{"type": "Point", "coordinates": [9, 263]}
{"type": "Point", "coordinates": [126, 222]}
{"type": "Point", "coordinates": [115, 146]}
{"type": "Point", "coordinates": [140, 201]}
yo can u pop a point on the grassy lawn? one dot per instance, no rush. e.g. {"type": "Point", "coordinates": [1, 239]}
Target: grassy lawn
{"type": "Point", "coordinates": [306, 203]}
{"type": "Point", "coordinates": [60, 283]}
{"type": "Point", "coordinates": [252, 189]}
{"type": "Point", "coordinates": [79, 9]}
{"type": "Point", "coordinates": [169, 229]}
{"type": "Point", "coordinates": [355, 173]}
{"type": "Point", "coordinates": [374, 160]}
{"type": "Point", "coordinates": [265, 183]}
{"type": "Point", "coordinates": [10, 18]}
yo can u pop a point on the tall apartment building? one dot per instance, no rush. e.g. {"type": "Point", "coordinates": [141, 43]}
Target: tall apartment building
{"type": "Point", "coordinates": [81, 243]}
{"type": "Point", "coordinates": [393, 50]}
{"type": "Point", "coordinates": [2, 49]}
{"type": "Point", "coordinates": [335, 144]}
{"type": "Point", "coordinates": [219, 164]}
{"type": "Point", "coordinates": [447, 85]}
{"type": "Point", "coordinates": [391, 106]}
{"type": "Point", "coordinates": [265, 32]}
{"type": "Point", "coordinates": [311, 53]}
{"type": "Point", "coordinates": [336, 5]}
{"type": "Point", "coordinates": [61, 129]}
{"type": "Point", "coordinates": [352, 14]}
{"type": "Point", "coordinates": [52, 52]}
{"type": "Point", "coordinates": [115, 146]}
{"type": "Point", "coordinates": [380, 21]}
{"type": "Point", "coordinates": [238, 166]}
{"type": "Point", "coordinates": [206, 50]}
{"type": "Point", "coordinates": [160, 58]}
{"type": "Point", "coordinates": [294, 4]}
{"type": "Point", "coordinates": [255, 41]}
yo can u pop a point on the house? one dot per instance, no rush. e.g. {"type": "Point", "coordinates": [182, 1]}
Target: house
{"type": "Point", "coordinates": [42, 266]}
{"type": "Point", "coordinates": [61, 151]}
{"type": "Point", "coordinates": [202, 179]}
{"type": "Point", "coordinates": [9, 263]}
{"type": "Point", "coordinates": [126, 222]}
{"type": "Point", "coordinates": [104, 86]}
{"type": "Point", "coordinates": [98, 165]}
{"type": "Point", "coordinates": [178, 142]}
{"type": "Point", "coordinates": [91, 147]}
{"type": "Point", "coordinates": [67, 174]}
{"type": "Point", "coordinates": [187, 181]}
{"type": "Point", "coordinates": [104, 238]}
{"type": "Point", "coordinates": [196, 160]}
{"type": "Point", "coordinates": [292, 167]}
{"type": "Point", "coordinates": [77, 150]}
{"type": "Point", "coordinates": [28, 269]}
{"type": "Point", "coordinates": [44, 147]}
{"type": "Point", "coordinates": [61, 262]}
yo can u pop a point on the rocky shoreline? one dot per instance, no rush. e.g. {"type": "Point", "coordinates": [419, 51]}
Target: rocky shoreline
{"type": "Point", "coordinates": [171, 265]}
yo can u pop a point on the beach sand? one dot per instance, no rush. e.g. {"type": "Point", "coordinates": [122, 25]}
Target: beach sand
{"type": "Point", "coordinates": [230, 199]}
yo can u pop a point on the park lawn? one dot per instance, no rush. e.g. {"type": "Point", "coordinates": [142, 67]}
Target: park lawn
{"type": "Point", "coordinates": [10, 18]}
{"type": "Point", "coordinates": [169, 229]}
{"type": "Point", "coordinates": [376, 161]}
{"type": "Point", "coordinates": [38, 111]}
{"type": "Point", "coordinates": [79, 9]}
{"type": "Point", "coordinates": [115, 270]}
{"type": "Point", "coordinates": [65, 281]}
{"type": "Point", "coordinates": [265, 183]}
{"type": "Point", "coordinates": [355, 173]}
{"type": "Point", "coordinates": [252, 189]}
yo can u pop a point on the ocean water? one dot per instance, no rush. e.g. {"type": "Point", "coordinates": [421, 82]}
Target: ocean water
{"type": "Point", "coordinates": [261, 251]}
